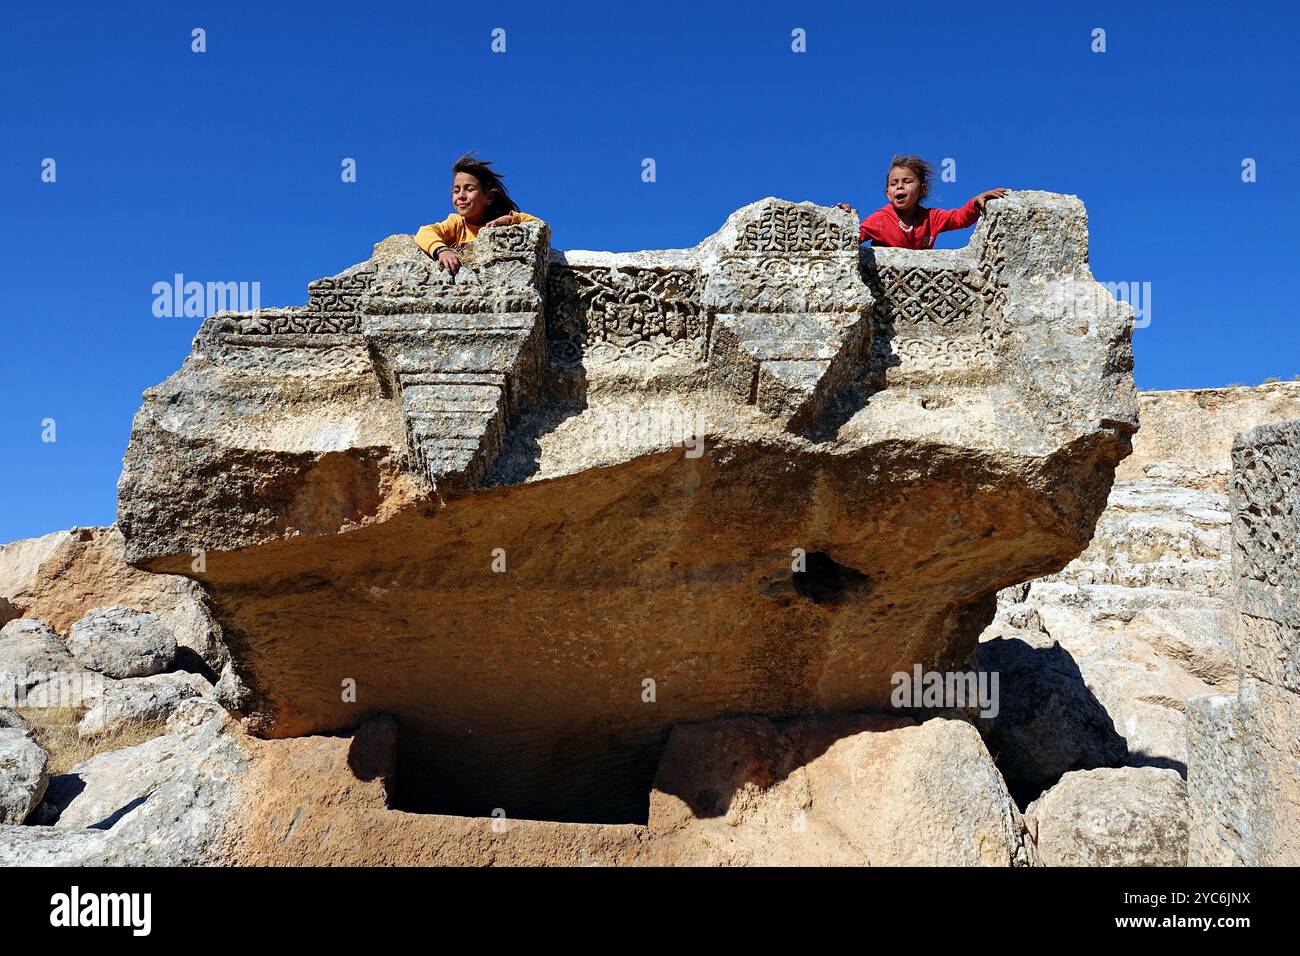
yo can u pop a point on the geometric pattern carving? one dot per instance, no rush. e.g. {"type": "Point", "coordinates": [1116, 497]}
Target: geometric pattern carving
{"type": "Point", "coordinates": [939, 320]}
{"type": "Point", "coordinates": [333, 307]}
{"type": "Point", "coordinates": [946, 354]}
{"type": "Point", "coordinates": [782, 318]}
{"type": "Point", "coordinates": [602, 312]}
{"type": "Point", "coordinates": [789, 313]}
{"type": "Point", "coordinates": [292, 321]}
{"type": "Point", "coordinates": [790, 228]}
{"type": "Point", "coordinates": [408, 285]}
{"type": "Point", "coordinates": [461, 352]}
{"type": "Point", "coordinates": [339, 294]}
{"type": "Point", "coordinates": [936, 295]}
{"type": "Point", "coordinates": [1266, 507]}
{"type": "Point", "coordinates": [1265, 495]}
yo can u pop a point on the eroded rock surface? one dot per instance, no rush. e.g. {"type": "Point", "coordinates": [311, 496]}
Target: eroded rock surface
{"type": "Point", "coordinates": [545, 511]}
{"type": "Point", "coordinates": [1123, 816]}
{"type": "Point", "coordinates": [58, 578]}
{"type": "Point", "coordinates": [23, 767]}
{"type": "Point", "coordinates": [140, 700]}
{"type": "Point", "coordinates": [854, 790]}
{"type": "Point", "coordinates": [1048, 723]}
{"type": "Point", "coordinates": [37, 670]}
{"type": "Point", "coordinates": [166, 802]}
{"type": "Point", "coordinates": [121, 642]}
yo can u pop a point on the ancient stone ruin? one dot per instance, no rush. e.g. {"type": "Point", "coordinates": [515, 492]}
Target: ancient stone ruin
{"type": "Point", "coordinates": [1244, 748]}
{"type": "Point", "coordinates": [546, 511]}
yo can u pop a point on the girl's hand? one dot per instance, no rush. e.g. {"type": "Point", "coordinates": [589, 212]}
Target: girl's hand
{"type": "Point", "coordinates": [499, 221]}
{"type": "Point", "coordinates": [448, 261]}
{"type": "Point", "coordinates": [984, 197]}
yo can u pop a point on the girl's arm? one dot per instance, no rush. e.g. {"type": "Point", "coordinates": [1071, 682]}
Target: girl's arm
{"type": "Point", "coordinates": [511, 219]}
{"type": "Point", "coordinates": [437, 236]}
{"type": "Point", "coordinates": [941, 220]}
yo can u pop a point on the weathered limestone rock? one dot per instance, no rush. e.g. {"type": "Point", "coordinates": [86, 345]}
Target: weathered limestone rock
{"type": "Point", "coordinates": [44, 846]}
{"type": "Point", "coordinates": [855, 790]}
{"type": "Point", "coordinates": [871, 788]}
{"type": "Point", "coordinates": [1244, 762]}
{"type": "Point", "coordinates": [37, 670]}
{"type": "Point", "coordinates": [31, 646]}
{"type": "Point", "coordinates": [23, 765]}
{"type": "Point", "coordinates": [1123, 816]}
{"type": "Point", "coordinates": [1187, 434]}
{"type": "Point", "coordinates": [875, 789]}
{"type": "Point", "coordinates": [203, 795]}
{"type": "Point", "coordinates": [139, 699]}
{"type": "Point", "coordinates": [59, 577]}
{"type": "Point", "coordinates": [1147, 610]}
{"type": "Point", "coordinates": [788, 331]}
{"type": "Point", "coordinates": [120, 642]}
{"type": "Point", "coordinates": [545, 511]}
{"type": "Point", "coordinates": [20, 564]}
{"type": "Point", "coordinates": [165, 802]}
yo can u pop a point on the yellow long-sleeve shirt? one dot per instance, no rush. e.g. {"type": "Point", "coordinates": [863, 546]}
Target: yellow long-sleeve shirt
{"type": "Point", "coordinates": [455, 231]}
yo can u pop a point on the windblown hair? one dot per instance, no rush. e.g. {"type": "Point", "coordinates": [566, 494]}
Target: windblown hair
{"type": "Point", "coordinates": [489, 180]}
{"type": "Point", "coordinates": [923, 171]}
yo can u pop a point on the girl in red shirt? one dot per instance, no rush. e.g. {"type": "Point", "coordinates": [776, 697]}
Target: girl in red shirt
{"type": "Point", "coordinates": [904, 221]}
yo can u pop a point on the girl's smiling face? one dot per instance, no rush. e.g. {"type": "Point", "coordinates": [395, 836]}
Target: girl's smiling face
{"type": "Point", "coordinates": [469, 198]}
{"type": "Point", "coordinates": [903, 189]}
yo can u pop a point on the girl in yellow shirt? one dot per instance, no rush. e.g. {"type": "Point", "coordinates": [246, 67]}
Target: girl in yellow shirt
{"type": "Point", "coordinates": [481, 201]}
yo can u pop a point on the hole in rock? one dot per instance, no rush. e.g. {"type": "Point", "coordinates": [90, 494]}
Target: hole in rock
{"type": "Point", "coordinates": [518, 780]}
{"type": "Point", "coordinates": [510, 778]}
{"type": "Point", "coordinates": [826, 581]}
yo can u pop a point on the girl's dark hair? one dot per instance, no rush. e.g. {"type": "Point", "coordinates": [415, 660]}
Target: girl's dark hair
{"type": "Point", "coordinates": [489, 181]}
{"type": "Point", "coordinates": [923, 171]}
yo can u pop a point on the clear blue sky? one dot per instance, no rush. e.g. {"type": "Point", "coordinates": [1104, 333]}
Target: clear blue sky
{"type": "Point", "coordinates": [225, 165]}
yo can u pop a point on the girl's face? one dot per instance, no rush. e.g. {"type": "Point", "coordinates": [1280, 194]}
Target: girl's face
{"type": "Point", "coordinates": [469, 198]}
{"type": "Point", "coordinates": [903, 189]}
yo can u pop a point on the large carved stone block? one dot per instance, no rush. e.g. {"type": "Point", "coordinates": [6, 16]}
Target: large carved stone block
{"type": "Point", "coordinates": [1244, 749]}
{"type": "Point", "coordinates": [791, 314]}
{"type": "Point", "coordinates": [546, 511]}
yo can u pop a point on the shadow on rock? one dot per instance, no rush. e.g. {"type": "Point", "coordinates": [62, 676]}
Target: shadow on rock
{"type": "Point", "coordinates": [1139, 758]}
{"type": "Point", "coordinates": [1049, 722]}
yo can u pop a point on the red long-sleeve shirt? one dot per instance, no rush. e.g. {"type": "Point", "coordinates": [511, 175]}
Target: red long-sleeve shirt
{"type": "Point", "coordinates": [883, 228]}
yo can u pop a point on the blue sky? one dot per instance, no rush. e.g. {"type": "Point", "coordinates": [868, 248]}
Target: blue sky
{"type": "Point", "coordinates": [225, 165]}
